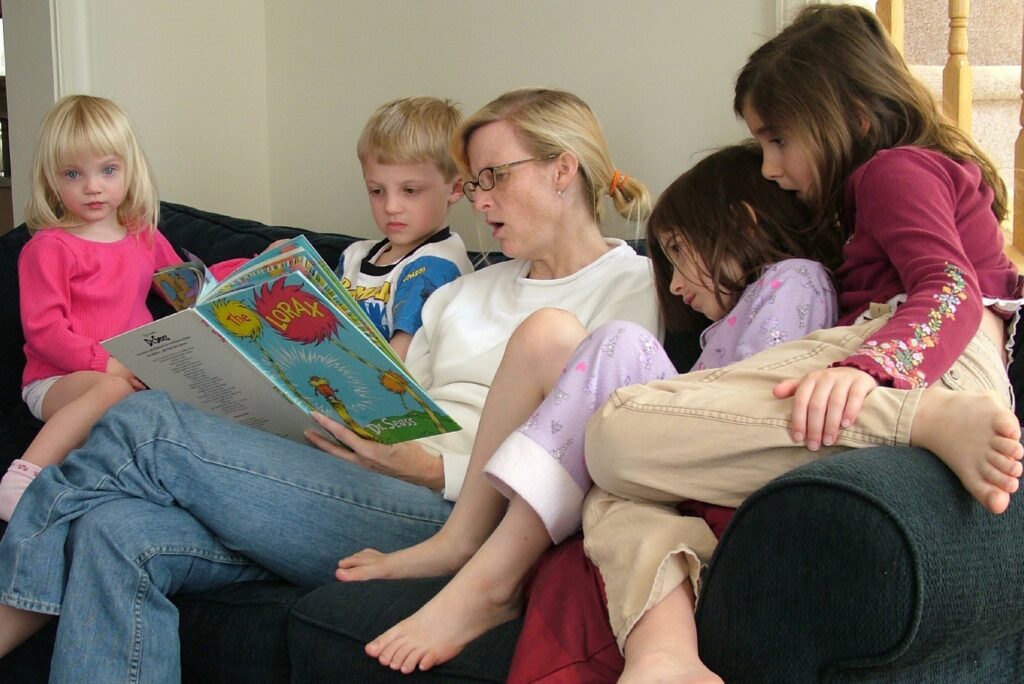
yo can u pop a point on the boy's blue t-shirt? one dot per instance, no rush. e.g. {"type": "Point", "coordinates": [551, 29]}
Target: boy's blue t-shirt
{"type": "Point", "coordinates": [393, 295]}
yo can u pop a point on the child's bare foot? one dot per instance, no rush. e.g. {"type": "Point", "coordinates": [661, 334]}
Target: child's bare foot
{"type": "Point", "coordinates": [977, 437]}
{"type": "Point", "coordinates": [437, 632]}
{"type": "Point", "coordinates": [431, 558]}
{"type": "Point", "coordinates": [666, 667]}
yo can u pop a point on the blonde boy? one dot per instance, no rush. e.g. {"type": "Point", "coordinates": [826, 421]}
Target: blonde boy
{"type": "Point", "coordinates": [411, 181]}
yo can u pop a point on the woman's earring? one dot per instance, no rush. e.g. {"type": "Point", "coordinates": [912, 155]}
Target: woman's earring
{"type": "Point", "coordinates": [561, 194]}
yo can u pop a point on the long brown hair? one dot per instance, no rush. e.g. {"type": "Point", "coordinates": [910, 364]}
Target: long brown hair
{"type": "Point", "coordinates": [724, 209]}
{"type": "Point", "coordinates": [835, 83]}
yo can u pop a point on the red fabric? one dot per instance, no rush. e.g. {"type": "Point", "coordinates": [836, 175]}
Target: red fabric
{"type": "Point", "coordinates": [566, 637]}
{"type": "Point", "coordinates": [717, 517]}
{"type": "Point", "coordinates": [222, 269]}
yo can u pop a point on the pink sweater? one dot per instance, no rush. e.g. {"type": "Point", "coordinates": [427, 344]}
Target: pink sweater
{"type": "Point", "coordinates": [75, 293]}
{"type": "Point", "coordinates": [923, 226]}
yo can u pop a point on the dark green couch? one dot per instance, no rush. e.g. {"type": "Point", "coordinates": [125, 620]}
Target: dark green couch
{"type": "Point", "coordinates": [874, 566]}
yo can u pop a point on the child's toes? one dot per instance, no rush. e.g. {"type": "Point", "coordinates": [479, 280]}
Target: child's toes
{"type": "Point", "coordinates": [402, 657]}
{"type": "Point", "coordinates": [997, 501]}
{"type": "Point", "coordinates": [995, 477]}
{"type": "Point", "coordinates": [1000, 463]}
{"type": "Point", "coordinates": [428, 661]}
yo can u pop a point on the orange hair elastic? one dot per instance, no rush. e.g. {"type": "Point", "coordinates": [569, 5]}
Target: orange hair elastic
{"type": "Point", "coordinates": [618, 181]}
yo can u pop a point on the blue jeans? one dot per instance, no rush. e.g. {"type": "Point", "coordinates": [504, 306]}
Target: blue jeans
{"type": "Point", "coordinates": [164, 498]}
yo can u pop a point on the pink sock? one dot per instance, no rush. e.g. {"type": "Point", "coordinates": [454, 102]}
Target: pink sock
{"type": "Point", "coordinates": [12, 486]}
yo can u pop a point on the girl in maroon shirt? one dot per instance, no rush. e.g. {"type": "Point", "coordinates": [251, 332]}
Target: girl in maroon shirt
{"type": "Point", "coordinates": [911, 207]}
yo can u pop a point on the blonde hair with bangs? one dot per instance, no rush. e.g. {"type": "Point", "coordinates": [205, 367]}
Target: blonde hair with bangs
{"type": "Point", "coordinates": [82, 125]}
{"type": "Point", "coordinates": [411, 130]}
{"type": "Point", "coordinates": [550, 122]}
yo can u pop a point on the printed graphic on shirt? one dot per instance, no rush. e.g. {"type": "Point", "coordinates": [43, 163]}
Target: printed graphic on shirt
{"type": "Point", "coordinates": [791, 299]}
{"type": "Point", "coordinates": [416, 282]}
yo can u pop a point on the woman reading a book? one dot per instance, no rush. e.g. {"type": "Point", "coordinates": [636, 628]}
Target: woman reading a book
{"type": "Point", "coordinates": [236, 504]}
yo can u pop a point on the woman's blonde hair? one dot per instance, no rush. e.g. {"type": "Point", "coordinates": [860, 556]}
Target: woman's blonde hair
{"type": "Point", "coordinates": [550, 122]}
{"type": "Point", "coordinates": [83, 125]}
{"type": "Point", "coordinates": [835, 83]}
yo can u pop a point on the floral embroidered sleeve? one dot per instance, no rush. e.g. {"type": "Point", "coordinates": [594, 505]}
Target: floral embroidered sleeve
{"type": "Point", "coordinates": [909, 212]}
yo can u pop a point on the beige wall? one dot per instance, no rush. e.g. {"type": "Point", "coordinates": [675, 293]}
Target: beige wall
{"type": "Point", "coordinates": [191, 75]}
{"type": "Point", "coordinates": [252, 107]}
{"type": "Point", "coordinates": [658, 73]}
{"type": "Point", "coordinates": [30, 86]}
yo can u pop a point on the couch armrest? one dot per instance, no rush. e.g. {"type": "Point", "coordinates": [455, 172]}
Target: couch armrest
{"type": "Point", "coordinates": [872, 564]}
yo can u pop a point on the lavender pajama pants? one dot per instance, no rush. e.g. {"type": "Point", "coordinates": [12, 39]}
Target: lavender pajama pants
{"type": "Point", "coordinates": [543, 461]}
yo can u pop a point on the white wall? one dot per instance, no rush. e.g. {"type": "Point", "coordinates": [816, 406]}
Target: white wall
{"type": "Point", "coordinates": [30, 87]}
{"type": "Point", "coordinates": [658, 73]}
{"type": "Point", "coordinates": [253, 107]}
{"type": "Point", "coordinates": [191, 75]}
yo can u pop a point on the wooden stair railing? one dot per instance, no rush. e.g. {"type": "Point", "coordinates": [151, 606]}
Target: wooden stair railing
{"type": "Point", "coordinates": [957, 82]}
{"type": "Point", "coordinates": [1018, 173]}
{"type": "Point", "coordinates": [957, 96]}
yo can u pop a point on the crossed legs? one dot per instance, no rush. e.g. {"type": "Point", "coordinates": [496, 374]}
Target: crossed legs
{"type": "Point", "coordinates": [539, 467]}
{"type": "Point", "coordinates": [486, 589]}
{"type": "Point", "coordinates": [745, 442]}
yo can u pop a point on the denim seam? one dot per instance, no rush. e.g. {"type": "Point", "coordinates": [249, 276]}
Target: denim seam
{"type": "Point", "coordinates": [192, 551]}
{"type": "Point", "coordinates": [135, 659]}
{"type": "Point", "coordinates": [265, 476]}
{"type": "Point", "coordinates": [15, 573]}
{"type": "Point", "coordinates": [16, 601]}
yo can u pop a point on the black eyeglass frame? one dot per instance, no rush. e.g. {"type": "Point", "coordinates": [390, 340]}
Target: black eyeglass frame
{"type": "Point", "coordinates": [469, 188]}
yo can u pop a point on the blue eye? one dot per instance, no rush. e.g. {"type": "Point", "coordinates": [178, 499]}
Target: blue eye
{"type": "Point", "coordinates": [71, 174]}
{"type": "Point", "coordinates": [109, 170]}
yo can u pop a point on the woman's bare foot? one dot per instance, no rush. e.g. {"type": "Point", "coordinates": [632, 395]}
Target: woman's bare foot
{"type": "Point", "coordinates": [437, 632]}
{"type": "Point", "coordinates": [666, 667]}
{"type": "Point", "coordinates": [431, 558]}
{"type": "Point", "coordinates": [977, 437]}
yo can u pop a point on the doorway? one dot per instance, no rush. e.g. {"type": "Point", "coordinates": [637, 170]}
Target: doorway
{"type": "Point", "coordinates": [6, 205]}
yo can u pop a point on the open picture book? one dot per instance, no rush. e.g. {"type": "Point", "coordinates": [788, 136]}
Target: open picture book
{"type": "Point", "coordinates": [277, 338]}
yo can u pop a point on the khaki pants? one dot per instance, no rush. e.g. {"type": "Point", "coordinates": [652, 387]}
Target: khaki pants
{"type": "Point", "coordinates": [717, 436]}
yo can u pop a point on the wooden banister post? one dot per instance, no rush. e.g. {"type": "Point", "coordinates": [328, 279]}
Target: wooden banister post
{"type": "Point", "coordinates": [957, 84]}
{"type": "Point", "coordinates": [890, 13]}
{"type": "Point", "coordinates": [1018, 172]}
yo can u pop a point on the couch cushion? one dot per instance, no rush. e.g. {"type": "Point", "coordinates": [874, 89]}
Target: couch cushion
{"type": "Point", "coordinates": [17, 426]}
{"type": "Point", "coordinates": [330, 626]}
{"type": "Point", "coordinates": [238, 633]}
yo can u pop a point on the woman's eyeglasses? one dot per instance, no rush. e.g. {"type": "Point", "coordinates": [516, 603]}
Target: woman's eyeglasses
{"type": "Point", "coordinates": [492, 175]}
